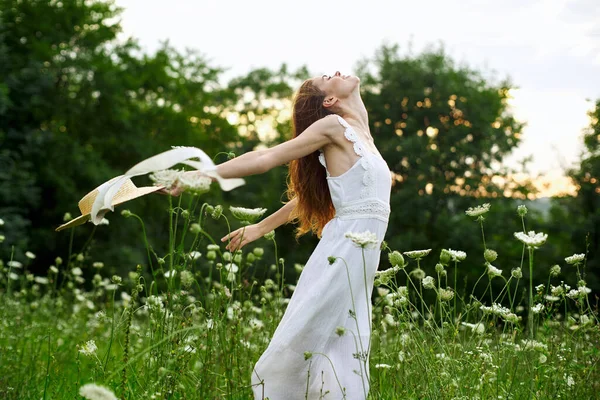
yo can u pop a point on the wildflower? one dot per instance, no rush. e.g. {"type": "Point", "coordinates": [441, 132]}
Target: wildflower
{"type": "Point", "coordinates": [160, 261]}
{"type": "Point", "coordinates": [194, 255]}
{"type": "Point", "coordinates": [490, 255]}
{"type": "Point", "coordinates": [570, 381]}
{"type": "Point", "coordinates": [185, 214]}
{"type": "Point", "coordinates": [167, 177]}
{"type": "Point", "coordinates": [247, 214]}
{"type": "Point", "coordinates": [575, 259]}
{"type": "Point", "coordinates": [457, 255]}
{"type": "Point", "coordinates": [58, 260]}
{"type": "Point", "coordinates": [529, 344]}
{"type": "Point", "coordinates": [477, 328]}
{"type": "Point", "coordinates": [551, 298]}
{"type": "Point", "coordinates": [217, 212]}
{"type": "Point", "coordinates": [258, 251]}
{"type": "Point", "coordinates": [555, 270]}
{"type": "Point", "coordinates": [211, 255]}
{"type": "Point", "coordinates": [195, 183]}
{"type": "Point", "coordinates": [580, 292]}
{"type": "Point", "coordinates": [256, 324]}
{"type": "Point", "coordinates": [41, 280]}
{"type": "Point", "coordinates": [340, 330]}
{"type": "Point", "coordinates": [445, 257]}
{"type": "Point", "coordinates": [103, 221]}
{"type": "Point", "coordinates": [439, 268]}
{"type": "Point", "coordinates": [428, 282]}
{"type": "Point", "coordinates": [80, 257]}
{"type": "Point", "coordinates": [29, 255]}
{"type": "Point", "coordinates": [385, 366]}
{"type": "Point", "coordinates": [522, 210]}
{"type": "Point", "coordinates": [77, 271]}
{"type": "Point", "coordinates": [418, 273]}
{"type": "Point", "coordinates": [53, 269]}
{"type": "Point", "coordinates": [14, 264]}
{"type": "Point", "coordinates": [126, 213]}
{"type": "Point", "coordinates": [116, 279]}
{"type": "Point", "coordinates": [478, 211]}
{"type": "Point", "coordinates": [493, 271]}
{"type": "Point", "coordinates": [503, 312]}
{"type": "Point", "coordinates": [270, 235]}
{"type": "Point", "coordinates": [307, 355]}
{"type": "Point", "coordinates": [396, 258]}
{"type": "Point", "coordinates": [231, 269]}
{"type": "Point", "coordinates": [98, 265]}
{"type": "Point", "coordinates": [543, 358]}
{"type": "Point", "coordinates": [2, 238]}
{"type": "Point", "coordinates": [1, 222]}
{"type": "Point", "coordinates": [559, 290]}
{"type": "Point", "coordinates": [384, 277]}
{"type": "Point", "coordinates": [187, 278]}
{"type": "Point", "coordinates": [536, 309]}
{"type": "Point", "coordinates": [532, 239]}
{"type": "Point", "coordinates": [168, 274]}
{"type": "Point", "coordinates": [516, 273]}
{"type": "Point", "coordinates": [13, 276]}
{"type": "Point", "coordinates": [364, 239]}
{"type": "Point", "coordinates": [238, 258]}
{"type": "Point", "coordinates": [212, 247]}
{"type": "Point", "coordinates": [446, 294]}
{"type": "Point", "coordinates": [195, 229]}
{"type": "Point", "coordinates": [88, 348]}
{"type": "Point", "coordinates": [91, 391]}
{"type": "Point", "coordinates": [417, 254]}
{"type": "Point", "coordinates": [67, 217]}
{"type": "Point", "coordinates": [297, 267]}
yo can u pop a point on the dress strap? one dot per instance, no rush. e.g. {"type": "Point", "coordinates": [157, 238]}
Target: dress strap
{"type": "Point", "coordinates": [351, 135]}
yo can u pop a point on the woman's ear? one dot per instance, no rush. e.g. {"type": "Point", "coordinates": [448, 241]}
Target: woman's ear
{"type": "Point", "coordinates": [329, 101]}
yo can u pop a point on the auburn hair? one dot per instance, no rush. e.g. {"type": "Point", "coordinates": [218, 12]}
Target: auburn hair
{"type": "Point", "coordinates": [306, 176]}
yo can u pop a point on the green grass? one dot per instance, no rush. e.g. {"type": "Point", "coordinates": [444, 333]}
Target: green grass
{"type": "Point", "coordinates": [196, 332]}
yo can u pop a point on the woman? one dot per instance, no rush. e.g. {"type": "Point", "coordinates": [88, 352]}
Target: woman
{"type": "Point", "coordinates": [338, 183]}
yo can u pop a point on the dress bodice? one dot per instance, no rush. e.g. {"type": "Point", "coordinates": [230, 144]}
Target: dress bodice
{"type": "Point", "coordinates": [363, 191]}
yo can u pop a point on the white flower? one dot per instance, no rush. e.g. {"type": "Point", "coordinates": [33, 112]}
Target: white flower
{"type": "Point", "coordinates": [533, 344]}
{"type": "Point", "coordinates": [41, 280]}
{"type": "Point", "coordinates": [104, 221]}
{"type": "Point", "coordinates": [493, 271]}
{"type": "Point", "coordinates": [194, 255]}
{"type": "Point", "coordinates": [213, 247]}
{"type": "Point", "coordinates": [477, 328]}
{"type": "Point", "coordinates": [532, 239]}
{"type": "Point", "coordinates": [569, 379]}
{"type": "Point", "coordinates": [92, 391]}
{"type": "Point", "coordinates": [98, 264]}
{"type": "Point", "coordinates": [551, 298]}
{"type": "Point", "coordinates": [194, 182]}
{"type": "Point", "coordinates": [428, 282]}
{"type": "Point", "coordinates": [446, 294]}
{"type": "Point", "coordinates": [478, 211]}
{"type": "Point", "coordinates": [503, 312]}
{"type": "Point", "coordinates": [543, 358]}
{"type": "Point", "coordinates": [247, 214]}
{"type": "Point", "coordinates": [384, 277]}
{"type": "Point", "coordinates": [231, 267]}
{"type": "Point", "coordinates": [575, 259]}
{"type": "Point", "coordinates": [53, 269]}
{"type": "Point", "coordinates": [88, 348]}
{"type": "Point", "coordinates": [1, 222]}
{"type": "Point", "coordinates": [386, 366]}
{"type": "Point", "coordinates": [187, 278]}
{"type": "Point", "coordinates": [170, 273]}
{"type": "Point", "coordinates": [417, 254]}
{"type": "Point", "coordinates": [29, 255]}
{"type": "Point", "coordinates": [13, 276]}
{"type": "Point", "coordinates": [14, 264]}
{"type": "Point", "coordinates": [457, 255]}
{"type": "Point", "coordinates": [77, 271]}
{"type": "Point", "coordinates": [364, 239]}
{"type": "Point", "coordinates": [581, 291]}
{"type": "Point", "coordinates": [167, 177]}
{"type": "Point", "coordinates": [536, 309]}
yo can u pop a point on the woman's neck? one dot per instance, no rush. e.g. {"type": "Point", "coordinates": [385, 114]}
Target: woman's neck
{"type": "Point", "coordinates": [354, 110]}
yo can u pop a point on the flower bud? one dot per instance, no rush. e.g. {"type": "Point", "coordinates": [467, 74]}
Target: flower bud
{"type": "Point", "coordinates": [230, 155]}
{"type": "Point", "coordinates": [58, 260]}
{"type": "Point", "coordinates": [555, 270]}
{"type": "Point", "coordinates": [445, 257]}
{"type": "Point", "coordinates": [331, 259]}
{"type": "Point", "coordinates": [516, 273]}
{"type": "Point", "coordinates": [67, 217]}
{"type": "Point", "coordinates": [258, 251]}
{"type": "Point", "coordinates": [522, 210]}
{"type": "Point", "coordinates": [185, 214]}
{"type": "Point", "coordinates": [126, 213]}
{"type": "Point", "coordinates": [490, 255]}
{"type": "Point", "coordinates": [161, 261]}
{"type": "Point", "coordinates": [116, 279]}
{"type": "Point", "coordinates": [270, 235]}
{"type": "Point", "coordinates": [237, 258]}
{"type": "Point", "coordinates": [211, 255]}
{"type": "Point", "coordinates": [195, 228]}
{"type": "Point", "coordinates": [250, 257]}
{"type": "Point", "coordinates": [396, 258]}
{"type": "Point", "coordinates": [439, 268]}
{"type": "Point", "coordinates": [217, 212]}
{"type": "Point", "coordinates": [307, 355]}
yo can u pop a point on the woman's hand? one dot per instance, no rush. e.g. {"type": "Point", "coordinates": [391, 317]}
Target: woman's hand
{"type": "Point", "coordinates": [243, 236]}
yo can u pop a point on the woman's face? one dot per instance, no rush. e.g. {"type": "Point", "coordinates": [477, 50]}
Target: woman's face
{"type": "Point", "coordinates": [337, 85]}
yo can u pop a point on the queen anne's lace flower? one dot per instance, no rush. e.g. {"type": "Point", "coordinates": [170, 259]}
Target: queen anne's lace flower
{"type": "Point", "coordinates": [428, 282]}
{"type": "Point", "coordinates": [417, 254]}
{"type": "Point", "coordinates": [92, 391]}
{"type": "Point", "coordinates": [503, 312]}
{"type": "Point", "coordinates": [457, 255]}
{"type": "Point", "coordinates": [575, 259]}
{"type": "Point", "coordinates": [532, 239]}
{"type": "Point", "coordinates": [478, 211]}
{"type": "Point", "coordinates": [538, 308]}
{"type": "Point", "coordinates": [88, 348]}
{"type": "Point", "coordinates": [446, 294]}
{"type": "Point", "coordinates": [166, 177]}
{"type": "Point", "coordinates": [477, 328]}
{"type": "Point", "coordinates": [493, 271]}
{"type": "Point", "coordinates": [384, 277]}
{"type": "Point", "coordinates": [364, 239]}
{"type": "Point", "coordinates": [247, 214]}
{"type": "Point", "coordinates": [195, 182]}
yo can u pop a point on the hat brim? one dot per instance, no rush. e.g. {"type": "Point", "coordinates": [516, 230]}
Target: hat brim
{"type": "Point", "coordinates": [139, 192]}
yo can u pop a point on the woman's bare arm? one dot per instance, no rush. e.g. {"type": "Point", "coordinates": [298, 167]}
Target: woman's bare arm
{"type": "Point", "coordinates": [254, 162]}
{"type": "Point", "coordinates": [279, 217]}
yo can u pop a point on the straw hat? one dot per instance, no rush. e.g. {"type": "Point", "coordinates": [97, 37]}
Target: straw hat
{"type": "Point", "coordinates": [128, 191]}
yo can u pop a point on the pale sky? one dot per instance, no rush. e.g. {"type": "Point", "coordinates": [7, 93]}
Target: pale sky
{"type": "Point", "coordinates": [550, 49]}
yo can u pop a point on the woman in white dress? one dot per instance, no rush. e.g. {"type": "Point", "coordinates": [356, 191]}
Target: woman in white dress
{"type": "Point", "coordinates": [339, 183]}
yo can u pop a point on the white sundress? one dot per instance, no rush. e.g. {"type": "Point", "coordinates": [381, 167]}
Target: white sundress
{"type": "Point", "coordinates": [323, 295]}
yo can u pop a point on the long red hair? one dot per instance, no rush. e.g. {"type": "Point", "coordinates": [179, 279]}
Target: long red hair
{"type": "Point", "coordinates": [306, 177]}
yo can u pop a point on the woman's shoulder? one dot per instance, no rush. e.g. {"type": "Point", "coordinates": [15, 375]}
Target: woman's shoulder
{"type": "Point", "coordinates": [332, 124]}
